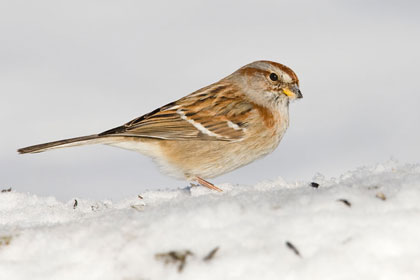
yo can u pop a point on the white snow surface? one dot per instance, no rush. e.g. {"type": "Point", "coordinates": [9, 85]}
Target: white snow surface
{"type": "Point", "coordinates": [377, 236]}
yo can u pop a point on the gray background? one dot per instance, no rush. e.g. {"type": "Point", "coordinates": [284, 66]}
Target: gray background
{"type": "Point", "coordinates": [70, 68]}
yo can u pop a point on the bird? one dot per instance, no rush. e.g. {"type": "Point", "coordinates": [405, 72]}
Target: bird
{"type": "Point", "coordinates": [211, 131]}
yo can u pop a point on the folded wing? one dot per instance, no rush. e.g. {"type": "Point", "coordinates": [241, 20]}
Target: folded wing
{"type": "Point", "coordinates": [212, 113]}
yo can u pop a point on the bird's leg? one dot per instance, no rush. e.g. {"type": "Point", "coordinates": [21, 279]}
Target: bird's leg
{"type": "Point", "coordinates": [206, 184]}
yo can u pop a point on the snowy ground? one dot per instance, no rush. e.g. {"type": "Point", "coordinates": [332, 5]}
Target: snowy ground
{"type": "Point", "coordinates": [364, 225]}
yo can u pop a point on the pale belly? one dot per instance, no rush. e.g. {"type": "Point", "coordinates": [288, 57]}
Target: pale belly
{"type": "Point", "coordinates": [186, 159]}
{"type": "Point", "coordinates": [208, 159]}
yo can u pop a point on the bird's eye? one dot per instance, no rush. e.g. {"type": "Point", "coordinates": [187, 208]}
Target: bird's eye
{"type": "Point", "coordinates": [274, 77]}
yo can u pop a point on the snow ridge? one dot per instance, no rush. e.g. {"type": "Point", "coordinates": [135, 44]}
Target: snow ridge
{"type": "Point", "coordinates": [363, 225]}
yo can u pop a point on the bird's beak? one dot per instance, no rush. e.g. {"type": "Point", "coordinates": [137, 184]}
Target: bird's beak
{"type": "Point", "coordinates": [293, 92]}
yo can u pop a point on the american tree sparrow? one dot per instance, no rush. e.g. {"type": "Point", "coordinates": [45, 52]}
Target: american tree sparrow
{"type": "Point", "coordinates": [212, 131]}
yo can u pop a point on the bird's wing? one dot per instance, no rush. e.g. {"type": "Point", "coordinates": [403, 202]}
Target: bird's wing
{"type": "Point", "coordinates": [212, 113]}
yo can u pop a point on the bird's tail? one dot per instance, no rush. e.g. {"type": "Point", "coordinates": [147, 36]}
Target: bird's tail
{"type": "Point", "coordinates": [90, 139]}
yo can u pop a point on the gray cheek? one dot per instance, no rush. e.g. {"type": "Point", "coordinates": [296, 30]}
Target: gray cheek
{"type": "Point", "coordinates": [271, 97]}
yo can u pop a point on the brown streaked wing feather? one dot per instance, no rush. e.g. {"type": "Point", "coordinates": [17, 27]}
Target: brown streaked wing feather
{"type": "Point", "coordinates": [212, 113]}
{"type": "Point", "coordinates": [160, 124]}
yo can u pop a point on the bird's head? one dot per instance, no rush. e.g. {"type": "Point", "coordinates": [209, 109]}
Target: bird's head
{"type": "Point", "coordinates": [267, 82]}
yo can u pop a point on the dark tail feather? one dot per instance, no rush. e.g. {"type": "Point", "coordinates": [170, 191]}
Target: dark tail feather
{"type": "Point", "coordinates": [90, 139]}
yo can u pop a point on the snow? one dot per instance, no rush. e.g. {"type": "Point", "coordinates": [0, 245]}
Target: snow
{"type": "Point", "coordinates": [376, 235]}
